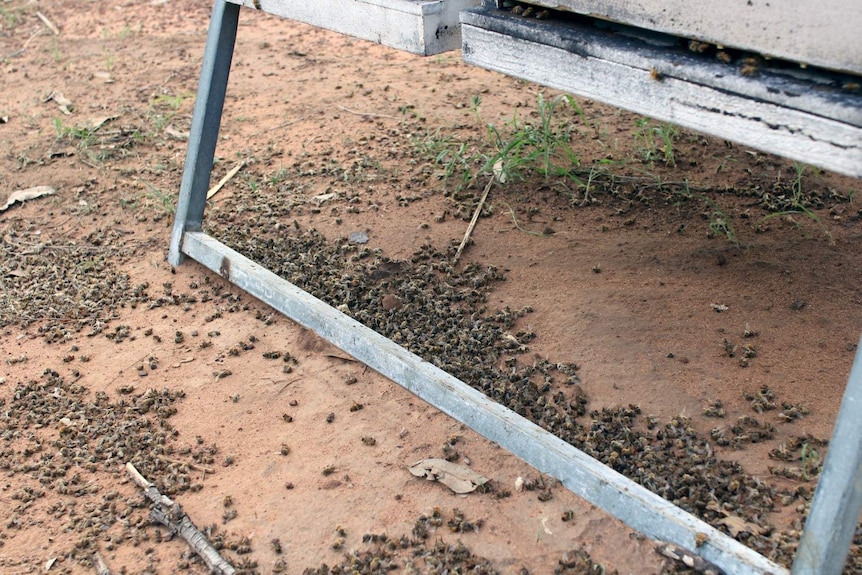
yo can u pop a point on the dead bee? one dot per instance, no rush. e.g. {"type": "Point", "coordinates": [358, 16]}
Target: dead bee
{"type": "Point", "coordinates": [750, 66]}
{"type": "Point", "coordinates": [724, 56]}
{"type": "Point", "coordinates": [658, 77]}
{"type": "Point", "coordinates": [328, 470]}
{"type": "Point", "coordinates": [528, 11]}
{"type": "Point", "coordinates": [356, 406]}
{"type": "Point", "coordinates": [699, 47]}
{"type": "Point", "coordinates": [330, 417]}
{"type": "Point", "coordinates": [368, 440]}
{"type": "Point", "coordinates": [276, 546]}
{"type": "Point", "coordinates": [285, 449]}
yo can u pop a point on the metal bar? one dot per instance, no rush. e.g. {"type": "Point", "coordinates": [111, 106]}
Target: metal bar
{"type": "Point", "coordinates": [636, 506]}
{"type": "Point", "coordinates": [837, 501]}
{"type": "Point", "coordinates": [203, 137]}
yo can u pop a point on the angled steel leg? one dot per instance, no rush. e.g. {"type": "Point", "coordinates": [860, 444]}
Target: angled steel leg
{"type": "Point", "coordinates": [837, 502]}
{"type": "Point", "coordinates": [209, 104]}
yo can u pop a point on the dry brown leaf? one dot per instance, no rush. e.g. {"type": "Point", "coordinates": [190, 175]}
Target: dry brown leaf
{"type": "Point", "coordinates": [94, 124]}
{"type": "Point", "coordinates": [737, 525]}
{"type": "Point", "coordinates": [28, 194]}
{"type": "Point", "coordinates": [62, 101]}
{"type": "Point", "coordinates": [458, 478]}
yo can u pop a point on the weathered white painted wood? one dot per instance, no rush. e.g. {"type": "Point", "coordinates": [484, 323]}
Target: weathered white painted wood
{"type": "Point", "coordinates": [818, 32]}
{"type": "Point", "coordinates": [616, 494]}
{"type": "Point", "coordinates": [424, 27]}
{"type": "Point", "coordinates": [599, 65]}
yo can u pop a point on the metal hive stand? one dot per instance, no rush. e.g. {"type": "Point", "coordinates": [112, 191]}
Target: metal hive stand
{"type": "Point", "coordinates": [838, 499]}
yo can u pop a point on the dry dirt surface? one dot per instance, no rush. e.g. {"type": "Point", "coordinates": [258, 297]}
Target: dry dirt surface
{"type": "Point", "coordinates": [683, 309]}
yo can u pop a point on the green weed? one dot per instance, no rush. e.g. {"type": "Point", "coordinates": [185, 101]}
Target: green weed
{"type": "Point", "coordinates": [810, 461]}
{"type": "Point", "coordinates": [656, 141]}
{"type": "Point", "coordinates": [159, 200]}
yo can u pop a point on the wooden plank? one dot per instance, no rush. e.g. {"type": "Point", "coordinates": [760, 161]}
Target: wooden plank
{"type": "Point", "coordinates": [817, 32]}
{"type": "Point", "coordinates": [423, 27]}
{"type": "Point", "coordinates": [605, 66]}
{"type": "Point", "coordinates": [619, 496]}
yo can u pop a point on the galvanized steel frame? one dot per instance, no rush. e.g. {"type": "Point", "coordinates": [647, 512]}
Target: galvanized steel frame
{"type": "Point", "coordinates": [838, 499]}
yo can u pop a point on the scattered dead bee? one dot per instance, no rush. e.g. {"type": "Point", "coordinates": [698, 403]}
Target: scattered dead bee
{"type": "Point", "coordinates": [850, 86]}
{"type": "Point", "coordinates": [750, 66]}
{"type": "Point", "coordinates": [723, 57]}
{"type": "Point", "coordinates": [528, 11]}
{"type": "Point", "coordinates": [350, 380]}
{"type": "Point", "coordinates": [286, 418]}
{"type": "Point", "coordinates": [340, 531]}
{"type": "Point", "coordinates": [698, 47]}
{"type": "Point", "coordinates": [276, 546]}
{"type": "Point", "coordinates": [330, 417]}
{"type": "Point", "coordinates": [285, 449]}
{"type": "Point", "coordinates": [227, 501]}
{"type": "Point", "coordinates": [458, 523]}
{"type": "Point", "coordinates": [228, 515]}
{"type": "Point", "coordinates": [658, 77]}
{"type": "Point", "coordinates": [356, 406]}
{"type": "Point", "coordinates": [568, 515]}
{"type": "Point", "coordinates": [328, 470]}
{"type": "Point", "coordinates": [272, 354]}
{"type": "Point", "coordinates": [715, 409]}
{"type": "Point", "coordinates": [542, 15]}
{"type": "Point", "coordinates": [518, 10]}
{"type": "Point", "coordinates": [368, 440]}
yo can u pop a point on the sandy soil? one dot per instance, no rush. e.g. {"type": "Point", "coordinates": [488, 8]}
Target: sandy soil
{"type": "Point", "coordinates": [625, 287]}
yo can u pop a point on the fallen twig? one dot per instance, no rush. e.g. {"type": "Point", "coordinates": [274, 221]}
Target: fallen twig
{"type": "Point", "coordinates": [278, 127]}
{"type": "Point", "coordinates": [48, 23]}
{"type": "Point", "coordinates": [101, 567]}
{"type": "Point", "coordinates": [367, 114]}
{"type": "Point", "coordinates": [190, 464]}
{"type": "Point", "coordinates": [473, 221]}
{"type": "Point", "coordinates": [215, 189]}
{"type": "Point", "coordinates": [172, 516]}
{"type": "Point", "coordinates": [517, 225]}
{"type": "Point", "coordinates": [341, 357]}
{"type": "Point", "coordinates": [288, 384]}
